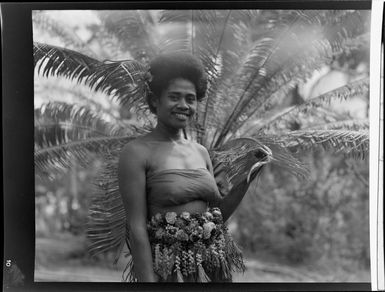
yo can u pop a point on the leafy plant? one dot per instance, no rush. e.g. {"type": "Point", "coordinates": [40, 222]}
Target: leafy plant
{"type": "Point", "coordinates": [253, 60]}
{"type": "Point", "coordinates": [323, 222]}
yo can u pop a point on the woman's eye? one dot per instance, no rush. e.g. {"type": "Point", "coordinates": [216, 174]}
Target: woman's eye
{"type": "Point", "coordinates": [191, 99]}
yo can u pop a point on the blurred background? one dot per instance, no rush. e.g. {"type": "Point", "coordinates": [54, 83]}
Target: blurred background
{"type": "Point", "coordinates": [289, 230]}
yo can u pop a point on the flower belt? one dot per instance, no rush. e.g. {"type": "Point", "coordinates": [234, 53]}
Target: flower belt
{"type": "Point", "coordinates": [193, 247]}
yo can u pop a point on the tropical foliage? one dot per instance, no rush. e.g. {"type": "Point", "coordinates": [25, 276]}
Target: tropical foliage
{"type": "Point", "coordinates": [324, 221]}
{"type": "Point", "coordinates": [254, 59]}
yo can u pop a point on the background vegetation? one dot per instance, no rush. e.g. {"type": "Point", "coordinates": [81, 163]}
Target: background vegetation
{"type": "Point", "coordinates": [290, 229]}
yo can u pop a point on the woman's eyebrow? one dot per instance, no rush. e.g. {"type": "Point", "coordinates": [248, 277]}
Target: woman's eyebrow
{"type": "Point", "coordinates": [178, 93]}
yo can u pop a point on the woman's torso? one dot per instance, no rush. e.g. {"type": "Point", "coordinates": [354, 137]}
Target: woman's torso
{"type": "Point", "coordinates": [180, 190]}
{"type": "Point", "coordinates": [177, 178]}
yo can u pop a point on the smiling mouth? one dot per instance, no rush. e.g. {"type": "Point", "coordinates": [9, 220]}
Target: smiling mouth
{"type": "Point", "coordinates": [181, 116]}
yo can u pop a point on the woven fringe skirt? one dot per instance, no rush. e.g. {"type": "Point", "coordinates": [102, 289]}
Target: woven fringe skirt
{"type": "Point", "coordinates": [193, 248]}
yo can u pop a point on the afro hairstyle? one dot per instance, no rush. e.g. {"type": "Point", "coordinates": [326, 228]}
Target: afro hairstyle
{"type": "Point", "coordinates": [167, 67]}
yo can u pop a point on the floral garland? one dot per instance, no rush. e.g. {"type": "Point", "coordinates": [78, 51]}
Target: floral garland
{"type": "Point", "coordinates": [188, 247]}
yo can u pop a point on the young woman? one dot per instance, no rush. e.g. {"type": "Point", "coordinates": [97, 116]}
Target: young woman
{"type": "Point", "coordinates": [173, 207]}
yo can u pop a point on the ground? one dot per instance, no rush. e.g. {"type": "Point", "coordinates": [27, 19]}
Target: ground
{"type": "Point", "coordinates": [61, 258]}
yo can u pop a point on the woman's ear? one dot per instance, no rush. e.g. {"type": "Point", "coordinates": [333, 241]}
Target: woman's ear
{"type": "Point", "coordinates": [154, 101]}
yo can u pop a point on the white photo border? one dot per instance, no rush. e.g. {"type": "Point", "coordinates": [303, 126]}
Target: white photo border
{"type": "Point", "coordinates": [376, 190]}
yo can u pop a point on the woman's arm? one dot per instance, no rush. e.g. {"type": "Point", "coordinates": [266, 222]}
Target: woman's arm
{"type": "Point", "coordinates": [231, 201]}
{"type": "Point", "coordinates": [132, 180]}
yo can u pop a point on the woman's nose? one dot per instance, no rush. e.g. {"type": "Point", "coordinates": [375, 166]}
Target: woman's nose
{"type": "Point", "coordinates": [182, 103]}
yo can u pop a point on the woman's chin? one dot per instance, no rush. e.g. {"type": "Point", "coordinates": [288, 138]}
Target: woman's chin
{"type": "Point", "coordinates": [177, 124]}
{"type": "Point", "coordinates": [180, 125]}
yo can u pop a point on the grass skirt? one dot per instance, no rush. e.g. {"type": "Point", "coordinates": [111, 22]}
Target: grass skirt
{"type": "Point", "coordinates": [193, 247]}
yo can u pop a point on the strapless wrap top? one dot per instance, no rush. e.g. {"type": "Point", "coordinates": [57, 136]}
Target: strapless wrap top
{"type": "Point", "coordinates": [173, 187]}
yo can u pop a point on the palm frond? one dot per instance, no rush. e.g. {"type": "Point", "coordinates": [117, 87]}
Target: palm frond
{"type": "Point", "coordinates": [239, 155]}
{"type": "Point", "coordinates": [59, 157]}
{"type": "Point", "coordinates": [56, 61]}
{"type": "Point", "coordinates": [283, 157]}
{"type": "Point", "coordinates": [247, 66]}
{"type": "Point", "coordinates": [259, 72]}
{"type": "Point", "coordinates": [304, 120]}
{"type": "Point", "coordinates": [318, 50]}
{"type": "Point", "coordinates": [253, 69]}
{"type": "Point", "coordinates": [243, 57]}
{"type": "Point", "coordinates": [106, 228]}
{"type": "Point", "coordinates": [282, 82]}
{"type": "Point", "coordinates": [350, 124]}
{"type": "Point", "coordinates": [296, 70]}
{"type": "Point", "coordinates": [352, 143]}
{"type": "Point", "coordinates": [65, 134]}
{"type": "Point", "coordinates": [360, 42]}
{"type": "Point", "coordinates": [341, 25]}
{"type": "Point", "coordinates": [255, 86]}
{"type": "Point", "coordinates": [285, 77]}
{"type": "Point", "coordinates": [48, 91]}
{"type": "Point", "coordinates": [353, 89]}
{"type": "Point", "coordinates": [124, 80]}
{"type": "Point", "coordinates": [70, 123]}
{"type": "Point", "coordinates": [215, 77]}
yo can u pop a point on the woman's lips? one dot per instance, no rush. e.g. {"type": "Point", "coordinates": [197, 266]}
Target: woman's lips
{"type": "Point", "coordinates": [181, 116]}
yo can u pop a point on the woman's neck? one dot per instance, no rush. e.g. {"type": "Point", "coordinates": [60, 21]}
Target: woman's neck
{"type": "Point", "coordinates": [167, 133]}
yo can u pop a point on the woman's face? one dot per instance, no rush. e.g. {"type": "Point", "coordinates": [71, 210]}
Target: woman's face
{"type": "Point", "coordinates": [177, 104]}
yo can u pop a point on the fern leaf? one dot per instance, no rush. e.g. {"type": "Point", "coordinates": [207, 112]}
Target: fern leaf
{"type": "Point", "coordinates": [55, 61]}
{"type": "Point", "coordinates": [351, 125]}
{"type": "Point", "coordinates": [279, 85]}
{"type": "Point", "coordinates": [295, 70]}
{"type": "Point", "coordinates": [106, 228]}
{"type": "Point", "coordinates": [213, 82]}
{"type": "Point", "coordinates": [70, 123]}
{"type": "Point", "coordinates": [123, 79]}
{"type": "Point", "coordinates": [239, 155]}
{"type": "Point", "coordinates": [48, 91]}
{"type": "Point", "coordinates": [352, 143]}
{"type": "Point", "coordinates": [254, 86]}
{"type": "Point", "coordinates": [59, 157]}
{"type": "Point", "coordinates": [245, 59]}
{"type": "Point", "coordinates": [308, 58]}
{"type": "Point", "coordinates": [65, 134]}
{"type": "Point", "coordinates": [283, 157]}
{"type": "Point", "coordinates": [259, 72]}
{"type": "Point", "coordinates": [357, 88]}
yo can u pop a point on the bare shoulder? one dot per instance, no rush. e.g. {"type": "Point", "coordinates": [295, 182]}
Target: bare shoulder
{"type": "Point", "coordinates": [198, 146]}
{"type": "Point", "coordinates": [134, 146]}
{"type": "Point", "coordinates": [135, 151]}
{"type": "Point", "coordinates": [202, 150]}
